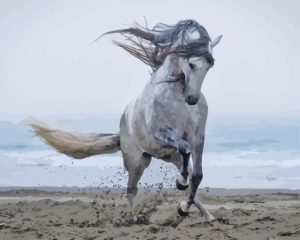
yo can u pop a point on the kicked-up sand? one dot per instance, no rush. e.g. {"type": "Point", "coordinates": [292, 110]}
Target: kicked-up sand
{"type": "Point", "coordinates": [99, 214]}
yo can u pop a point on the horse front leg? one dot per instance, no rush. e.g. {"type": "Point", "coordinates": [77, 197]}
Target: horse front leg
{"type": "Point", "coordinates": [182, 180]}
{"type": "Point", "coordinates": [195, 181]}
{"type": "Point", "coordinates": [170, 137]}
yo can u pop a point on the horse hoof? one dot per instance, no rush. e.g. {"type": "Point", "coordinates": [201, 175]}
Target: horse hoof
{"type": "Point", "coordinates": [209, 219]}
{"type": "Point", "coordinates": [182, 213]}
{"type": "Point", "coordinates": [180, 186]}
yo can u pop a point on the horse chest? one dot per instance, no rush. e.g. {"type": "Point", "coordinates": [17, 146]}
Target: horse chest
{"type": "Point", "coordinates": [174, 112]}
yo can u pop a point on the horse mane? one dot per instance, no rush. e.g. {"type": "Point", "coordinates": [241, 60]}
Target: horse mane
{"type": "Point", "coordinates": [152, 46]}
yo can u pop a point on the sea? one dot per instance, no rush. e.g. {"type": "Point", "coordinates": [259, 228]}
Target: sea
{"type": "Point", "coordinates": [240, 152]}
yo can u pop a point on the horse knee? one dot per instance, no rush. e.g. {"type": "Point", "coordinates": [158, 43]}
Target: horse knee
{"type": "Point", "coordinates": [184, 148]}
{"type": "Point", "coordinates": [197, 171]}
{"type": "Point", "coordinates": [197, 178]}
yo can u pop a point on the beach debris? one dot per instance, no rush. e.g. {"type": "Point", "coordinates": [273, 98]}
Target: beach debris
{"type": "Point", "coordinates": [241, 212]}
{"type": "Point", "coordinates": [172, 221]}
{"type": "Point", "coordinates": [289, 233]}
{"type": "Point", "coordinates": [3, 225]}
{"type": "Point", "coordinates": [266, 218]}
{"type": "Point", "coordinates": [224, 221]}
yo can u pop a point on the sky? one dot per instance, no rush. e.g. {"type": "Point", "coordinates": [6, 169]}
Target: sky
{"type": "Point", "coordinates": [48, 67]}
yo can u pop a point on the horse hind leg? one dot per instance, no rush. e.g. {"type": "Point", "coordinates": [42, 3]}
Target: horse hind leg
{"type": "Point", "coordinates": [134, 175]}
{"type": "Point", "coordinates": [135, 171]}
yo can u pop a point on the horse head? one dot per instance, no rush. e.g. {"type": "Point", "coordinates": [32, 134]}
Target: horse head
{"type": "Point", "coordinates": [195, 60]}
{"type": "Point", "coordinates": [188, 41]}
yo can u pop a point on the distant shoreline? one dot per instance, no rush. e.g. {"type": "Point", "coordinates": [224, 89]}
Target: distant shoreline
{"type": "Point", "coordinates": [210, 191]}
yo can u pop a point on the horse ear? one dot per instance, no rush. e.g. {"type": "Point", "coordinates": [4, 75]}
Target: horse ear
{"type": "Point", "coordinates": [216, 41]}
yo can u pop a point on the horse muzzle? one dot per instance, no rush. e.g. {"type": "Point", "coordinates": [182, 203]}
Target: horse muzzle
{"type": "Point", "coordinates": [191, 100]}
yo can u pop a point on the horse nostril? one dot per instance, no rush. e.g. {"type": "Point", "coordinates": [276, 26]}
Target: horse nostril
{"type": "Point", "coordinates": [191, 100]}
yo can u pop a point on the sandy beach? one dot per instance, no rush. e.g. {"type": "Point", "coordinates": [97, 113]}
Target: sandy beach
{"type": "Point", "coordinates": [82, 213]}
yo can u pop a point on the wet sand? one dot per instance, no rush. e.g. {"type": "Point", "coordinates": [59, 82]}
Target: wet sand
{"type": "Point", "coordinates": [88, 214]}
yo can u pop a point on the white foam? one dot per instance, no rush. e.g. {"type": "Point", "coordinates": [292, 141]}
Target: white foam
{"type": "Point", "coordinates": [253, 159]}
{"type": "Point", "coordinates": [269, 169]}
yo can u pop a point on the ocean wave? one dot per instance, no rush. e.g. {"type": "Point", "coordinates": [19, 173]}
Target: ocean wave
{"type": "Point", "coordinates": [288, 158]}
{"type": "Point", "coordinates": [253, 159]}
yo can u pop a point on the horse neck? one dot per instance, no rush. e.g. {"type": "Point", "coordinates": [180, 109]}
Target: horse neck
{"type": "Point", "coordinates": [165, 79]}
{"type": "Point", "coordinates": [170, 66]}
{"type": "Point", "coordinates": [168, 70]}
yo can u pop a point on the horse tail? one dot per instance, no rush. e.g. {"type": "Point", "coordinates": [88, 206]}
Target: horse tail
{"type": "Point", "coordinates": [76, 145]}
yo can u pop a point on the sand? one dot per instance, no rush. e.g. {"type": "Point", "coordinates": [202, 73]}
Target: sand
{"type": "Point", "coordinates": [88, 214]}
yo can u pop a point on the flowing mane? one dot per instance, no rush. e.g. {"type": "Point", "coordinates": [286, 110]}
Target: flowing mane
{"type": "Point", "coordinates": [152, 46]}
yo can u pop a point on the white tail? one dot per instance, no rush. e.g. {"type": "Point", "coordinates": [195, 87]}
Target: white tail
{"type": "Point", "coordinates": [76, 145]}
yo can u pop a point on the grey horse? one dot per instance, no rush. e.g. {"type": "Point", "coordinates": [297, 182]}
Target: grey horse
{"type": "Point", "coordinates": [167, 120]}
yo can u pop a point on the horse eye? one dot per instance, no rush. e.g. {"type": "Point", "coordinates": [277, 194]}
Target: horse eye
{"type": "Point", "coordinates": [210, 60]}
{"type": "Point", "coordinates": [192, 66]}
